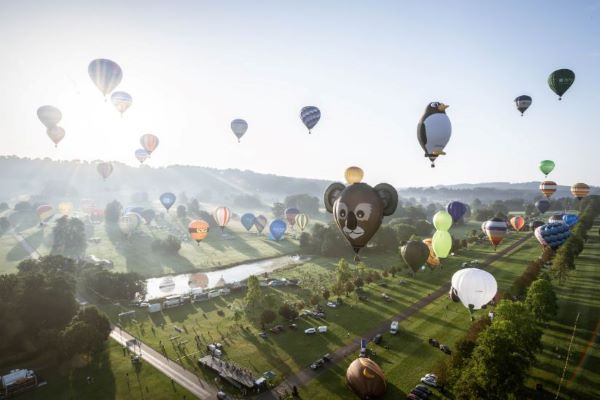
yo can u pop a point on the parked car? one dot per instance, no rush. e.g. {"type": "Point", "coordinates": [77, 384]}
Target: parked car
{"type": "Point", "coordinates": [445, 349]}
{"type": "Point", "coordinates": [362, 297]}
{"type": "Point", "coordinates": [430, 380]}
{"type": "Point", "coordinates": [322, 329]}
{"type": "Point", "coordinates": [320, 315]}
{"type": "Point", "coordinates": [386, 297]}
{"type": "Point", "coordinates": [221, 395]}
{"type": "Point", "coordinates": [377, 338]}
{"type": "Point", "coordinates": [317, 364]}
{"type": "Point", "coordinates": [434, 342]}
{"type": "Point", "coordinates": [263, 335]}
{"type": "Point", "coordinates": [383, 284]}
{"type": "Point", "coordinates": [420, 395]}
{"type": "Point", "coordinates": [327, 357]}
{"type": "Point", "coordinates": [394, 327]}
{"type": "Point", "coordinates": [292, 326]}
{"type": "Point", "coordinates": [310, 331]}
{"type": "Point", "coordinates": [277, 329]}
{"type": "Point", "coordinates": [331, 304]}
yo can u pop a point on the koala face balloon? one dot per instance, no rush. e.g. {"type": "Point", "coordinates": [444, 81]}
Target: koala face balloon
{"type": "Point", "coordinates": [358, 209]}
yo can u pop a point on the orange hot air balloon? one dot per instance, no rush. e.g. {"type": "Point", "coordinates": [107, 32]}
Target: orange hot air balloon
{"type": "Point", "coordinates": [517, 222]}
{"type": "Point", "coordinates": [548, 188]}
{"type": "Point", "coordinates": [433, 261]}
{"type": "Point", "coordinates": [149, 142]}
{"type": "Point", "coordinates": [580, 190]}
{"type": "Point", "coordinates": [353, 175]}
{"type": "Point", "coordinates": [198, 230]}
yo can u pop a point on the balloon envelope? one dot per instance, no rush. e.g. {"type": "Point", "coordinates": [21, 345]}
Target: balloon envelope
{"type": "Point", "coordinates": [167, 200]}
{"type": "Point", "coordinates": [365, 378]}
{"type": "Point", "coordinates": [546, 166]}
{"type": "Point", "coordinates": [432, 259]}
{"type": "Point", "coordinates": [65, 208]}
{"type": "Point", "coordinates": [45, 212]}
{"type": "Point", "coordinates": [248, 220]}
{"type": "Point", "coordinates": [121, 100]}
{"type": "Point", "coordinates": [495, 229]}
{"type": "Point", "coordinates": [457, 210]}
{"type": "Point", "coordinates": [533, 225]}
{"type": "Point", "coordinates": [260, 223]}
{"type": "Point", "coordinates": [517, 222]}
{"type": "Point", "coordinates": [580, 190]}
{"type": "Point", "coordinates": [310, 115]}
{"type": "Point", "coordinates": [434, 130]}
{"type": "Point", "coordinates": [148, 215]}
{"type": "Point", "coordinates": [523, 102]}
{"type": "Point", "coordinates": [106, 74]}
{"type": "Point", "coordinates": [141, 155]}
{"type": "Point", "coordinates": [442, 220]}
{"type": "Point", "coordinates": [222, 216]}
{"type": "Point", "coordinates": [49, 116]}
{"type": "Point", "coordinates": [353, 174]}
{"type": "Point", "coordinates": [548, 188]}
{"type": "Point", "coordinates": [105, 169]}
{"type": "Point", "coordinates": [149, 142]}
{"type": "Point", "coordinates": [290, 215]}
{"type": "Point", "coordinates": [277, 229]}
{"type": "Point", "coordinates": [129, 222]}
{"type": "Point", "coordinates": [570, 219]}
{"type": "Point", "coordinates": [474, 287]}
{"type": "Point", "coordinates": [542, 205]}
{"type": "Point", "coordinates": [56, 134]}
{"type": "Point", "coordinates": [560, 81]}
{"type": "Point", "coordinates": [553, 234]}
{"type": "Point", "coordinates": [198, 230]}
{"type": "Point", "coordinates": [301, 221]}
{"type": "Point", "coordinates": [415, 254]}
{"type": "Point", "coordinates": [441, 243]}
{"type": "Point", "coordinates": [239, 128]}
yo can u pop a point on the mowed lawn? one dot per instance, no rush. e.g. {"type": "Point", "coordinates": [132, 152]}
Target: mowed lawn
{"type": "Point", "coordinates": [409, 355]}
{"type": "Point", "coordinates": [579, 295]}
{"type": "Point", "coordinates": [110, 381]}
{"type": "Point", "coordinates": [292, 350]}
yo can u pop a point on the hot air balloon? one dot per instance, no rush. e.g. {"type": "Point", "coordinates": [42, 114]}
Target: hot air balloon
{"type": "Point", "coordinates": [290, 215]}
{"type": "Point", "coordinates": [167, 200]}
{"type": "Point", "coordinates": [523, 102]}
{"type": "Point", "coordinates": [434, 130]}
{"type": "Point", "coordinates": [221, 216]}
{"type": "Point", "coordinates": [533, 225]}
{"type": "Point", "coordinates": [149, 142]}
{"type": "Point", "coordinates": [310, 115]}
{"type": "Point", "coordinates": [542, 205]}
{"type": "Point", "coordinates": [148, 214]}
{"type": "Point", "coordinates": [517, 222]}
{"type": "Point", "coordinates": [495, 229]}
{"type": "Point", "coordinates": [432, 259]}
{"type": "Point", "coordinates": [365, 378]}
{"type": "Point", "coordinates": [415, 254]}
{"type": "Point", "coordinates": [49, 116]}
{"type": "Point", "coordinates": [353, 175]}
{"type": "Point", "coordinates": [198, 230]}
{"type": "Point", "coordinates": [560, 81]}
{"type": "Point", "coordinates": [546, 166]}
{"type": "Point", "coordinates": [556, 218]}
{"type": "Point", "coordinates": [248, 221]}
{"type": "Point", "coordinates": [580, 190]}
{"type": "Point", "coordinates": [141, 155]}
{"type": "Point", "coordinates": [65, 208]}
{"type": "Point", "coordinates": [474, 287]}
{"type": "Point", "coordinates": [56, 134]}
{"type": "Point", "coordinates": [441, 242]}
{"type": "Point", "coordinates": [548, 188]}
{"type": "Point", "coordinates": [442, 220]}
{"type": "Point", "coordinates": [44, 212]}
{"type": "Point", "coordinates": [128, 223]}
{"type": "Point", "coordinates": [358, 209]}
{"type": "Point", "coordinates": [552, 234]}
{"type": "Point", "coordinates": [456, 209]}
{"type": "Point", "coordinates": [105, 74]}
{"type": "Point", "coordinates": [570, 219]}
{"type": "Point", "coordinates": [121, 100]}
{"type": "Point", "coordinates": [260, 223]}
{"type": "Point", "coordinates": [301, 221]}
{"type": "Point", "coordinates": [198, 280]}
{"type": "Point", "coordinates": [239, 128]}
{"type": "Point", "coordinates": [277, 229]}
{"type": "Point", "coordinates": [105, 169]}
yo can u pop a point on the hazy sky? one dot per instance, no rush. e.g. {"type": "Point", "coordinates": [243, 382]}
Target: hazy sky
{"type": "Point", "coordinates": [371, 67]}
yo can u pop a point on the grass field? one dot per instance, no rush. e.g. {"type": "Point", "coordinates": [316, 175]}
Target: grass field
{"type": "Point", "coordinates": [291, 351]}
{"type": "Point", "coordinates": [579, 295]}
{"type": "Point", "coordinates": [110, 381]}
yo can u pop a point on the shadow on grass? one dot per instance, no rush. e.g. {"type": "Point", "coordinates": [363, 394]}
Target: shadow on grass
{"type": "Point", "coordinates": [18, 253]}
{"type": "Point", "coordinates": [23, 220]}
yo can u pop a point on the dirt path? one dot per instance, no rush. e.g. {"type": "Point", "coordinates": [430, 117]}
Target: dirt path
{"type": "Point", "coordinates": [304, 376]}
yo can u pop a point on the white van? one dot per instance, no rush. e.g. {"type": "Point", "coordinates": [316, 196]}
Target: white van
{"type": "Point", "coordinates": [322, 329]}
{"type": "Point", "coordinates": [394, 327]}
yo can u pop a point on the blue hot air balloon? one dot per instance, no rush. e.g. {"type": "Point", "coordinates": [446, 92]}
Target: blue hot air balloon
{"type": "Point", "coordinates": [570, 219]}
{"type": "Point", "coordinates": [457, 210]}
{"type": "Point", "coordinates": [310, 115]}
{"type": "Point", "coordinates": [277, 229]}
{"type": "Point", "coordinates": [542, 205]}
{"type": "Point", "coordinates": [553, 234]}
{"type": "Point", "coordinates": [248, 220]}
{"type": "Point", "coordinates": [167, 200]}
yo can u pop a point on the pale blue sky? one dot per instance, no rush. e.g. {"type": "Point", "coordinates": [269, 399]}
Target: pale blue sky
{"type": "Point", "coordinates": [371, 67]}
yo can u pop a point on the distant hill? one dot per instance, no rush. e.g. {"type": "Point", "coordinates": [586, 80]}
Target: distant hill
{"type": "Point", "coordinates": [58, 180]}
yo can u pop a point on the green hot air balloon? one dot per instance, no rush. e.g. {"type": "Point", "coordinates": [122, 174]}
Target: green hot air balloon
{"type": "Point", "coordinates": [546, 166]}
{"type": "Point", "coordinates": [560, 81]}
{"type": "Point", "coordinates": [442, 220]}
{"type": "Point", "coordinates": [441, 243]}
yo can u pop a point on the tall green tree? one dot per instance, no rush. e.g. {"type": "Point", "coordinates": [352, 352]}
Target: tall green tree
{"type": "Point", "coordinates": [69, 238]}
{"type": "Point", "coordinates": [253, 294]}
{"type": "Point", "coordinates": [541, 300]}
{"type": "Point", "coordinates": [113, 211]}
{"type": "Point", "coordinates": [342, 271]}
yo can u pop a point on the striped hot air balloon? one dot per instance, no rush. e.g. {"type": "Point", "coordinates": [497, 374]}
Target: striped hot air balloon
{"type": "Point", "coordinates": [310, 115]}
{"type": "Point", "coordinates": [149, 142]}
{"type": "Point", "coordinates": [580, 190]}
{"type": "Point", "coordinates": [121, 100]}
{"type": "Point", "coordinates": [290, 215]}
{"type": "Point", "coordinates": [517, 222]}
{"type": "Point", "coordinates": [141, 155]}
{"type": "Point", "coordinates": [260, 222]}
{"type": "Point", "coordinates": [221, 216]}
{"type": "Point", "coordinates": [45, 212]}
{"type": "Point", "coordinates": [548, 188]}
{"type": "Point", "coordinates": [198, 230]}
{"type": "Point", "coordinates": [495, 229]}
{"type": "Point", "coordinates": [106, 74]}
{"type": "Point", "coordinates": [301, 221]}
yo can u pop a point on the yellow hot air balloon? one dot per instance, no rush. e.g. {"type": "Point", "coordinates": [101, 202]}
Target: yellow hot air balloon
{"type": "Point", "coordinates": [433, 261]}
{"type": "Point", "coordinates": [301, 221]}
{"type": "Point", "coordinates": [65, 208]}
{"type": "Point", "coordinates": [198, 230]}
{"type": "Point", "coordinates": [353, 175]}
{"type": "Point", "coordinates": [580, 190]}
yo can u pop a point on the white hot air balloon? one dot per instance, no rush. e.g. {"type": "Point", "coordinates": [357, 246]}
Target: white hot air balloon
{"type": "Point", "coordinates": [474, 287]}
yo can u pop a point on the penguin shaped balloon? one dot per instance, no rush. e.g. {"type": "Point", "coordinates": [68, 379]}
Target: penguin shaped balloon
{"type": "Point", "coordinates": [434, 130]}
{"type": "Point", "coordinates": [358, 209]}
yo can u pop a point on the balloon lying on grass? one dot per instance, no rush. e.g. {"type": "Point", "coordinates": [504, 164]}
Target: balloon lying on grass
{"type": "Point", "coordinates": [358, 209]}
{"type": "Point", "coordinates": [365, 378]}
{"type": "Point", "coordinates": [434, 130]}
{"type": "Point", "coordinates": [474, 287]}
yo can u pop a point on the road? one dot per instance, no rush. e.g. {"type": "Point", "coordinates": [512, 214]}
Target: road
{"type": "Point", "coordinates": [306, 375]}
{"type": "Point", "coordinates": [202, 389]}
